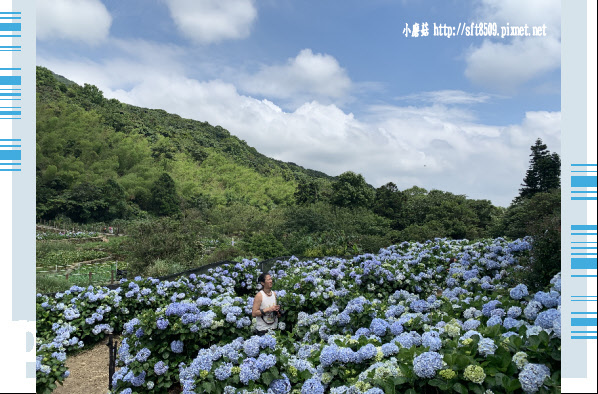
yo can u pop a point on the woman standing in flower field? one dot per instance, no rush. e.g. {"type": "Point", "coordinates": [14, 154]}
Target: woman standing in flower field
{"type": "Point", "coordinates": [265, 309]}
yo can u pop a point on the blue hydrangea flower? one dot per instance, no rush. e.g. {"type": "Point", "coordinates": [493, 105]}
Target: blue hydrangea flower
{"type": "Point", "coordinates": [280, 386]}
{"type": "Point", "coordinates": [138, 380]}
{"type": "Point", "coordinates": [176, 346]}
{"type": "Point", "coordinates": [532, 377]}
{"type": "Point", "coordinates": [389, 349]}
{"type": "Point", "coordinates": [488, 307]}
{"type": "Point", "coordinates": [431, 340]}
{"type": "Point", "coordinates": [419, 306]}
{"type": "Point", "coordinates": [223, 372]}
{"type": "Point", "coordinates": [379, 326]}
{"type": "Point", "coordinates": [514, 312]}
{"type": "Point", "coordinates": [162, 323]}
{"type": "Point", "coordinates": [329, 355]}
{"type": "Point", "coordinates": [549, 300]}
{"type": "Point", "coordinates": [493, 321]}
{"type": "Point", "coordinates": [532, 309]}
{"type": "Point", "coordinates": [546, 319]}
{"type": "Point", "coordinates": [160, 368]}
{"type": "Point", "coordinates": [249, 371]}
{"type": "Point", "coordinates": [486, 346]}
{"type": "Point", "coordinates": [426, 364]}
{"type": "Point", "coordinates": [512, 323]}
{"type": "Point", "coordinates": [312, 386]}
{"type": "Point", "coordinates": [396, 328]}
{"type": "Point", "coordinates": [471, 324]}
{"type": "Point", "coordinates": [366, 352]}
{"type": "Point", "coordinates": [143, 355]}
{"type": "Point", "coordinates": [252, 347]}
{"type": "Point", "coordinates": [518, 292]}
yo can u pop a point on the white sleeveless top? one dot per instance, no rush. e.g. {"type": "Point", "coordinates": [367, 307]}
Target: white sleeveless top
{"type": "Point", "coordinates": [270, 319]}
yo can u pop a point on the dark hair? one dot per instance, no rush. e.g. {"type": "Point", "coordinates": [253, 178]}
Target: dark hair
{"type": "Point", "coordinates": [262, 277]}
{"type": "Point", "coordinates": [453, 260]}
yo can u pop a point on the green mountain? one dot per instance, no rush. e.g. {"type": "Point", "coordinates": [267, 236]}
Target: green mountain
{"type": "Point", "coordinates": [100, 159]}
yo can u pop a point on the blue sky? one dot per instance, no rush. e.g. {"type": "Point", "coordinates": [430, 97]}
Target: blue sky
{"type": "Point", "coordinates": [331, 85]}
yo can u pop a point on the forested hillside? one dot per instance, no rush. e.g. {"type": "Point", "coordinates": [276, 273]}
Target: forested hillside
{"type": "Point", "coordinates": [187, 189]}
{"type": "Point", "coordinates": [99, 159]}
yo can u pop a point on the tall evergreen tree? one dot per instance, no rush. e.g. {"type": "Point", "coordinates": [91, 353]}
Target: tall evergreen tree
{"type": "Point", "coordinates": [544, 173]}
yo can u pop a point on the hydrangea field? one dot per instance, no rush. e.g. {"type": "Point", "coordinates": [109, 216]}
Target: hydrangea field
{"type": "Point", "coordinates": [402, 320]}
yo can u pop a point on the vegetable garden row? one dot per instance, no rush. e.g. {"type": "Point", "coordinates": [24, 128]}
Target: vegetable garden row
{"type": "Point", "coordinates": [403, 320]}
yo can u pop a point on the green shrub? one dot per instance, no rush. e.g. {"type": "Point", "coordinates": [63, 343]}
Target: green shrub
{"type": "Point", "coordinates": [165, 239]}
{"type": "Point", "coordinates": [265, 246]}
{"type": "Point", "coordinates": [51, 283]}
{"type": "Point", "coordinates": [164, 267]}
{"type": "Point", "coordinates": [544, 259]}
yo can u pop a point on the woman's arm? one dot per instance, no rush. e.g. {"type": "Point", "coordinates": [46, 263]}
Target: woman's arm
{"type": "Point", "coordinates": [257, 302]}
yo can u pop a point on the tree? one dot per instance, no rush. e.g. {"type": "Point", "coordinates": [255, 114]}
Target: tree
{"type": "Point", "coordinates": [164, 200]}
{"type": "Point", "coordinates": [388, 202]}
{"type": "Point", "coordinates": [544, 173]}
{"type": "Point", "coordinates": [114, 196]}
{"type": "Point", "coordinates": [307, 192]}
{"type": "Point", "coordinates": [351, 190]}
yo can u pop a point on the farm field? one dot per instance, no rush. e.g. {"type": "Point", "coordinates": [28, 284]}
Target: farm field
{"type": "Point", "coordinates": [62, 263]}
{"type": "Point", "coordinates": [401, 320]}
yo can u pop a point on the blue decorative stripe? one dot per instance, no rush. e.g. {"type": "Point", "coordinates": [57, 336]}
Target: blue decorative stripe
{"type": "Point", "coordinates": [584, 227]}
{"type": "Point", "coordinates": [583, 264]}
{"type": "Point", "coordinates": [10, 112]}
{"type": "Point", "coordinates": [583, 276]}
{"type": "Point", "coordinates": [584, 322]}
{"type": "Point", "coordinates": [10, 169]}
{"type": "Point", "coordinates": [10, 27]}
{"type": "Point", "coordinates": [10, 164]}
{"type": "Point", "coordinates": [584, 233]}
{"type": "Point", "coordinates": [584, 165]}
{"type": "Point", "coordinates": [10, 154]}
{"type": "Point", "coordinates": [583, 337]}
{"type": "Point", "coordinates": [584, 181]}
{"type": "Point", "coordinates": [10, 79]}
{"type": "Point", "coordinates": [584, 332]}
{"type": "Point", "coordinates": [583, 313]}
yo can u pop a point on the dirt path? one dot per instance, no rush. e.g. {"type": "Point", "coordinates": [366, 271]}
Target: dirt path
{"type": "Point", "coordinates": [89, 372]}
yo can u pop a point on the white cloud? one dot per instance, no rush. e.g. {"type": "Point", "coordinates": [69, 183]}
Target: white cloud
{"type": "Point", "coordinates": [432, 146]}
{"type": "Point", "coordinates": [209, 21]}
{"type": "Point", "coordinates": [87, 21]}
{"type": "Point", "coordinates": [307, 76]}
{"type": "Point", "coordinates": [506, 63]}
{"type": "Point", "coordinates": [448, 97]}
